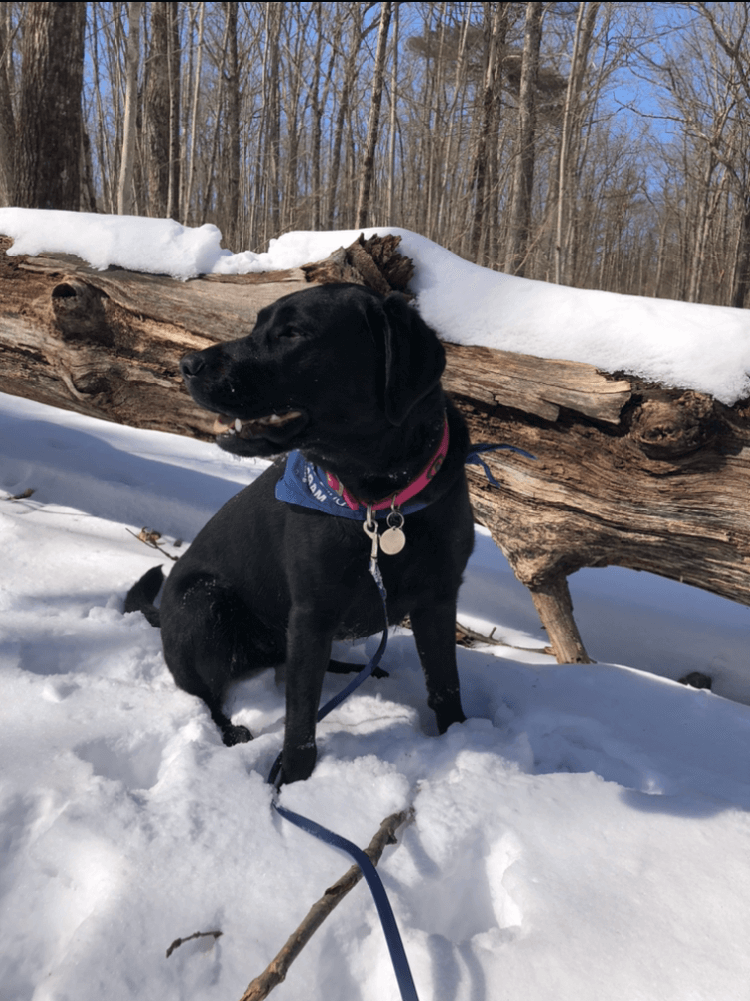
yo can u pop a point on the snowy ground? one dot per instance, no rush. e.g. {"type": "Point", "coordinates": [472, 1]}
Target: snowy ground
{"type": "Point", "coordinates": [583, 837]}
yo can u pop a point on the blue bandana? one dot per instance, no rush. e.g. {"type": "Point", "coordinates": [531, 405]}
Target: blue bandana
{"type": "Point", "coordinates": [305, 484]}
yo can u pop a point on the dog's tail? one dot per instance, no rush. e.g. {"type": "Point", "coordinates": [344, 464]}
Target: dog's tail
{"type": "Point", "coordinates": [140, 597]}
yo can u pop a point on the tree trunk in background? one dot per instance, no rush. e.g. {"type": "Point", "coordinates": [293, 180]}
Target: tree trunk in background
{"type": "Point", "coordinates": [742, 274]}
{"type": "Point", "coordinates": [49, 127]}
{"type": "Point", "coordinates": [7, 118]}
{"type": "Point", "coordinates": [363, 207]}
{"type": "Point", "coordinates": [157, 112]}
{"type": "Point", "coordinates": [392, 123]}
{"type": "Point", "coordinates": [350, 76]}
{"type": "Point", "coordinates": [231, 180]}
{"type": "Point", "coordinates": [523, 175]}
{"type": "Point", "coordinates": [496, 20]}
{"type": "Point", "coordinates": [190, 159]}
{"type": "Point", "coordinates": [587, 13]}
{"type": "Point", "coordinates": [125, 199]}
{"type": "Point", "coordinates": [174, 57]}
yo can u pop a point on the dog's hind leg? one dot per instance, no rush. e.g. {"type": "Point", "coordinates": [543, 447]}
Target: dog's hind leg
{"type": "Point", "coordinates": [434, 627]}
{"type": "Point", "coordinates": [209, 640]}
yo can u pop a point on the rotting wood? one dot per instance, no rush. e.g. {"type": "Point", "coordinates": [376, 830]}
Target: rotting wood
{"type": "Point", "coordinates": [626, 474]}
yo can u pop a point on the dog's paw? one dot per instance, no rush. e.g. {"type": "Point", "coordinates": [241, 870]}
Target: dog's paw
{"type": "Point", "coordinates": [298, 764]}
{"type": "Point", "coordinates": [232, 734]}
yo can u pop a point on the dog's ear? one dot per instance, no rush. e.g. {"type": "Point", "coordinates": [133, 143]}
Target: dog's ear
{"type": "Point", "coordinates": [414, 358]}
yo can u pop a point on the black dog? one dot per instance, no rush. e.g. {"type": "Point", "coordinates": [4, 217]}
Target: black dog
{"type": "Point", "coordinates": [351, 382]}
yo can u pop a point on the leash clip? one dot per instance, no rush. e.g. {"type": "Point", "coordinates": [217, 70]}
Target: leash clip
{"type": "Point", "coordinates": [370, 527]}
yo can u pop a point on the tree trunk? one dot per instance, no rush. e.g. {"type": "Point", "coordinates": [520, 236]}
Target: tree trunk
{"type": "Point", "coordinates": [742, 271]}
{"type": "Point", "coordinates": [350, 75]}
{"type": "Point", "coordinates": [495, 15]}
{"type": "Point", "coordinates": [174, 55]}
{"type": "Point", "coordinates": [125, 194]}
{"type": "Point", "coordinates": [368, 167]}
{"type": "Point", "coordinates": [587, 13]}
{"type": "Point", "coordinates": [186, 208]}
{"type": "Point", "coordinates": [49, 127]}
{"type": "Point", "coordinates": [157, 112]}
{"type": "Point", "coordinates": [523, 174]}
{"type": "Point", "coordinates": [7, 118]}
{"type": "Point", "coordinates": [231, 181]}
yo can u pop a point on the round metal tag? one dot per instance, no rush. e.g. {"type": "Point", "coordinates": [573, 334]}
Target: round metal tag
{"type": "Point", "coordinates": [392, 541]}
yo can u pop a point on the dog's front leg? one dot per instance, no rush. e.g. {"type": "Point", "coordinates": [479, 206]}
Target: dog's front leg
{"type": "Point", "coordinates": [308, 654]}
{"type": "Point", "coordinates": [434, 627]}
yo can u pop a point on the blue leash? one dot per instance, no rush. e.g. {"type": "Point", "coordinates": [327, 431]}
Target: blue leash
{"type": "Point", "coordinates": [385, 912]}
{"type": "Point", "coordinates": [382, 904]}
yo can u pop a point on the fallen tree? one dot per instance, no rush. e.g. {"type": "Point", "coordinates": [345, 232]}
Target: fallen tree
{"type": "Point", "coordinates": [635, 475]}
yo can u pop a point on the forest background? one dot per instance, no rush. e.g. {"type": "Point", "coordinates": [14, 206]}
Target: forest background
{"type": "Point", "coordinates": [599, 145]}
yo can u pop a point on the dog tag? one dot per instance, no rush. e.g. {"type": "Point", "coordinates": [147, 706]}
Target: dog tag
{"type": "Point", "coordinates": [392, 541]}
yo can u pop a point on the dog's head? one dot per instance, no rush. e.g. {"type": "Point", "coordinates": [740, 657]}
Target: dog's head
{"type": "Point", "coordinates": [322, 365]}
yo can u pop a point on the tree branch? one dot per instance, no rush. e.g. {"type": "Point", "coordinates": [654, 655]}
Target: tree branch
{"type": "Point", "coordinates": [277, 969]}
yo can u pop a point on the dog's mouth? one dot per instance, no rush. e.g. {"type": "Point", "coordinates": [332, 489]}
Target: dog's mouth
{"type": "Point", "coordinates": [257, 427]}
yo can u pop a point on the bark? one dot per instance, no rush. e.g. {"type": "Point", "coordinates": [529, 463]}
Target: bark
{"type": "Point", "coordinates": [625, 474]}
{"type": "Point", "coordinates": [174, 55]}
{"type": "Point", "coordinates": [368, 167]}
{"type": "Point", "coordinates": [272, 120]}
{"type": "Point", "coordinates": [357, 36]}
{"type": "Point", "coordinates": [186, 208]}
{"type": "Point", "coordinates": [125, 201]}
{"type": "Point", "coordinates": [742, 271]}
{"type": "Point", "coordinates": [495, 42]}
{"type": "Point", "coordinates": [523, 175]}
{"type": "Point", "coordinates": [587, 14]}
{"type": "Point", "coordinates": [231, 182]}
{"type": "Point", "coordinates": [7, 118]}
{"type": "Point", "coordinates": [157, 111]}
{"type": "Point", "coordinates": [49, 126]}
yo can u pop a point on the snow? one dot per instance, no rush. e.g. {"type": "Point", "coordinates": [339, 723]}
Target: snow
{"type": "Point", "coordinates": [706, 348]}
{"type": "Point", "coordinates": [158, 246]}
{"type": "Point", "coordinates": [583, 836]}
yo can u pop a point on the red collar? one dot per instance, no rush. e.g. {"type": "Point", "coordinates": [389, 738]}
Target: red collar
{"type": "Point", "coordinates": [396, 500]}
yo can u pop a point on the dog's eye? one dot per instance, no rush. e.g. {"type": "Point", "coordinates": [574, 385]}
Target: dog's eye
{"type": "Point", "coordinates": [290, 334]}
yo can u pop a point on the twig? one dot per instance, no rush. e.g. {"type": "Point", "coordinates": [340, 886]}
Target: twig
{"type": "Point", "coordinates": [151, 539]}
{"type": "Point", "coordinates": [277, 969]}
{"type": "Point", "coordinates": [468, 637]}
{"type": "Point", "coordinates": [199, 934]}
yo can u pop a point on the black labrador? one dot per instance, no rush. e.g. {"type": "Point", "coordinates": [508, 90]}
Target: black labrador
{"type": "Point", "coordinates": [350, 381]}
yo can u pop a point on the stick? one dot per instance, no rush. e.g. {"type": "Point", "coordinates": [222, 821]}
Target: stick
{"type": "Point", "coordinates": [277, 969]}
{"type": "Point", "coordinates": [199, 934]}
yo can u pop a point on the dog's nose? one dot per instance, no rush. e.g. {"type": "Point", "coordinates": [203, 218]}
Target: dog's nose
{"type": "Point", "coordinates": [192, 365]}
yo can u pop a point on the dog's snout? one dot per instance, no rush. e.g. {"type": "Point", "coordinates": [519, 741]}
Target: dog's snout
{"type": "Point", "coordinates": [192, 365]}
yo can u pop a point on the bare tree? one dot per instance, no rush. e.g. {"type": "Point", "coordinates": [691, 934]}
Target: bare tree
{"type": "Point", "coordinates": [7, 117]}
{"type": "Point", "coordinates": [157, 110]}
{"type": "Point", "coordinates": [49, 125]}
{"type": "Point", "coordinates": [523, 175]}
{"type": "Point", "coordinates": [125, 196]}
{"type": "Point", "coordinates": [363, 206]}
{"type": "Point", "coordinates": [587, 13]}
{"type": "Point", "coordinates": [496, 19]}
